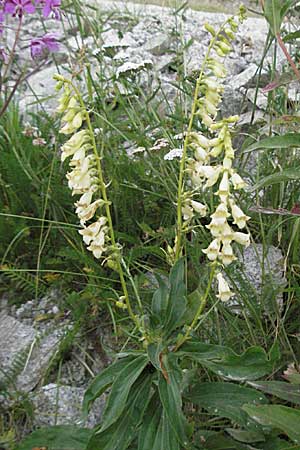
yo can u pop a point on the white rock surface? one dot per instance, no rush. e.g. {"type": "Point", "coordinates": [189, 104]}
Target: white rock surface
{"type": "Point", "coordinates": [62, 405]}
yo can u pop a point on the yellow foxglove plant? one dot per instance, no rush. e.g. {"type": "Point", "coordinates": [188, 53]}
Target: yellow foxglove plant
{"type": "Point", "coordinates": [207, 161]}
{"type": "Point", "coordinates": [85, 179]}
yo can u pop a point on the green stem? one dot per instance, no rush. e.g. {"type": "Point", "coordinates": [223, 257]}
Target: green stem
{"type": "Point", "coordinates": [185, 146]}
{"type": "Point", "coordinates": [107, 208]}
{"type": "Point", "coordinates": [200, 309]}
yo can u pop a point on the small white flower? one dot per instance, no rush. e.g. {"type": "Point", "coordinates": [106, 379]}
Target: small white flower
{"type": "Point", "coordinates": [89, 233]}
{"type": "Point", "coordinates": [201, 154]}
{"type": "Point", "coordinates": [223, 191]}
{"type": "Point", "coordinates": [172, 154]}
{"type": "Point", "coordinates": [212, 251]}
{"type": "Point", "coordinates": [97, 246]}
{"type": "Point", "coordinates": [200, 208]}
{"type": "Point", "coordinates": [242, 238]}
{"type": "Point", "coordinates": [211, 173]}
{"type": "Point", "coordinates": [237, 181]}
{"type": "Point", "coordinates": [85, 200]}
{"type": "Point", "coordinates": [87, 213]}
{"type": "Point", "coordinates": [239, 217]}
{"type": "Point", "coordinates": [187, 212]}
{"type": "Point", "coordinates": [227, 255]}
{"type": "Point", "coordinates": [224, 291]}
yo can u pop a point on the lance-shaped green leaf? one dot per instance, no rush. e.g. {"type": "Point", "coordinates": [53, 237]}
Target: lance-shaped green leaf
{"type": "Point", "coordinates": [177, 298]}
{"type": "Point", "coordinates": [57, 437]}
{"type": "Point", "coordinates": [250, 365]}
{"type": "Point", "coordinates": [270, 143]}
{"type": "Point", "coordinates": [286, 391]}
{"type": "Point", "coordinates": [225, 400]}
{"type": "Point", "coordinates": [154, 350]}
{"type": "Point", "coordinates": [278, 177]}
{"type": "Point", "coordinates": [211, 440]}
{"type": "Point", "coordinates": [102, 381]}
{"type": "Point", "coordinates": [160, 298]}
{"type": "Point", "coordinates": [274, 11]}
{"type": "Point", "coordinates": [121, 433]}
{"type": "Point", "coordinates": [120, 390]}
{"type": "Point", "coordinates": [246, 436]}
{"type": "Point", "coordinates": [279, 417]}
{"type": "Point", "coordinates": [170, 396]}
{"type": "Point", "coordinates": [165, 438]}
{"type": "Point", "coordinates": [150, 425]}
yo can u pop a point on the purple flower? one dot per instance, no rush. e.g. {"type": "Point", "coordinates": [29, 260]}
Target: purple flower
{"type": "Point", "coordinates": [18, 7]}
{"type": "Point", "coordinates": [1, 20]}
{"type": "Point", "coordinates": [40, 46]}
{"type": "Point", "coordinates": [3, 55]}
{"type": "Point", "coordinates": [51, 8]}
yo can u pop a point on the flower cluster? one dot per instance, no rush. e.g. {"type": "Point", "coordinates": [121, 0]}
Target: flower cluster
{"type": "Point", "coordinates": [40, 46]}
{"type": "Point", "coordinates": [18, 8]}
{"type": "Point", "coordinates": [82, 177]}
{"type": "Point", "coordinates": [210, 162]}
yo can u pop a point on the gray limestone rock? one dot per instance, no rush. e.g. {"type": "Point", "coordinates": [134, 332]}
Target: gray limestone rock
{"type": "Point", "coordinates": [262, 276]}
{"type": "Point", "coordinates": [158, 44]}
{"type": "Point", "coordinates": [61, 405]}
{"type": "Point", "coordinates": [24, 353]}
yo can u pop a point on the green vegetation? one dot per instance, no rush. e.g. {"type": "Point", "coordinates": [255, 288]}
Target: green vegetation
{"type": "Point", "coordinates": [187, 371]}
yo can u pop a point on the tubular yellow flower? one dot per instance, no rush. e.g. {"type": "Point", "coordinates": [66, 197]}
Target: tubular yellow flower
{"type": "Point", "coordinates": [227, 255]}
{"type": "Point", "coordinates": [224, 291]}
{"type": "Point", "coordinates": [239, 217]}
{"type": "Point", "coordinates": [213, 250]}
{"type": "Point", "coordinates": [199, 208]}
{"type": "Point", "coordinates": [242, 238]}
{"type": "Point", "coordinates": [89, 233]}
{"type": "Point", "coordinates": [224, 189]}
{"type": "Point", "coordinates": [237, 181]}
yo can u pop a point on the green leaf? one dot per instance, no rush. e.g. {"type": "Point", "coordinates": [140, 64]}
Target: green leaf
{"type": "Point", "coordinates": [278, 177]}
{"type": "Point", "coordinates": [120, 389]}
{"type": "Point", "coordinates": [270, 143]}
{"type": "Point", "coordinates": [275, 443]}
{"type": "Point", "coordinates": [154, 350]}
{"type": "Point", "coordinates": [291, 36]}
{"type": "Point", "coordinates": [274, 11]}
{"type": "Point", "coordinates": [281, 389]}
{"type": "Point", "coordinates": [280, 417]}
{"type": "Point", "coordinates": [177, 298]}
{"type": "Point", "coordinates": [170, 396]}
{"type": "Point", "coordinates": [57, 437]}
{"type": "Point", "coordinates": [160, 298]}
{"type": "Point", "coordinates": [193, 302]}
{"type": "Point", "coordinates": [102, 381]}
{"type": "Point", "coordinates": [225, 400]}
{"type": "Point", "coordinates": [250, 365]}
{"type": "Point", "coordinates": [150, 425]}
{"type": "Point", "coordinates": [165, 438]}
{"type": "Point", "coordinates": [121, 433]}
{"type": "Point", "coordinates": [211, 440]}
{"type": "Point", "coordinates": [245, 436]}
{"type": "Point", "coordinates": [293, 378]}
